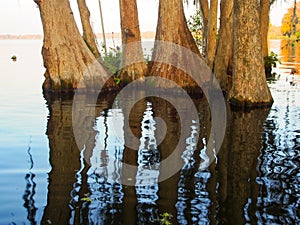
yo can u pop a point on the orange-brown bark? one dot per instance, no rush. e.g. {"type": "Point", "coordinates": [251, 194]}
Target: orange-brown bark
{"type": "Point", "coordinates": [88, 34]}
{"type": "Point", "coordinates": [223, 58]}
{"type": "Point", "coordinates": [69, 62]}
{"type": "Point", "coordinates": [172, 28]}
{"type": "Point", "coordinates": [249, 85]}
{"type": "Point", "coordinates": [133, 63]}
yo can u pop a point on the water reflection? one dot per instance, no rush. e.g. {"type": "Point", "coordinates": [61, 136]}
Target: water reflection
{"type": "Point", "coordinates": [237, 184]}
{"type": "Point", "coordinates": [28, 196]}
{"type": "Point", "coordinates": [290, 55]}
{"type": "Point", "coordinates": [254, 179]}
{"type": "Point", "coordinates": [148, 170]}
{"type": "Point", "coordinates": [64, 159]}
{"type": "Point", "coordinates": [279, 178]}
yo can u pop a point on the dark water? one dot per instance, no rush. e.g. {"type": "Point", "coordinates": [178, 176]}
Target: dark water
{"type": "Point", "coordinates": [47, 176]}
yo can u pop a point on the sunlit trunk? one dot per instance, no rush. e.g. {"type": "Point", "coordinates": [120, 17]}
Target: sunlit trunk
{"type": "Point", "coordinates": [264, 24]}
{"type": "Point", "coordinates": [212, 32]}
{"type": "Point", "coordinates": [249, 85]}
{"type": "Point", "coordinates": [69, 62]}
{"type": "Point", "coordinates": [172, 27]}
{"type": "Point", "coordinates": [133, 63]}
{"type": "Point", "coordinates": [88, 34]}
{"type": "Point", "coordinates": [223, 58]}
{"type": "Point", "coordinates": [205, 11]}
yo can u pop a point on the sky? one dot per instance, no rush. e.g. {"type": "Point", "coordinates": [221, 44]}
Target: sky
{"type": "Point", "coordinates": [22, 16]}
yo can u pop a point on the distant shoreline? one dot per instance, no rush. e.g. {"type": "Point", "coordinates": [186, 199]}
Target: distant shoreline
{"type": "Point", "coordinates": [144, 35]}
{"type": "Point", "coordinates": [274, 33]}
{"type": "Point", "coordinates": [21, 37]}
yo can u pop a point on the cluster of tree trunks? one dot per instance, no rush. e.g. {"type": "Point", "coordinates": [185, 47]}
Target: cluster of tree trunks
{"type": "Point", "coordinates": [236, 58]}
{"type": "Point", "coordinates": [241, 44]}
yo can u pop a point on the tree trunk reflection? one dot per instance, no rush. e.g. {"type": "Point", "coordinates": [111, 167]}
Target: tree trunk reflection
{"type": "Point", "coordinates": [85, 181]}
{"type": "Point", "coordinates": [236, 169]}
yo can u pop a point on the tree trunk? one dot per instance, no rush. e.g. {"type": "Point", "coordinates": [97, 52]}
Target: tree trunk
{"type": "Point", "coordinates": [68, 61]}
{"type": "Point", "coordinates": [172, 27]}
{"type": "Point", "coordinates": [205, 12]}
{"type": "Point", "coordinates": [264, 24]}
{"type": "Point", "coordinates": [249, 86]}
{"type": "Point", "coordinates": [88, 34]}
{"type": "Point", "coordinates": [212, 32]}
{"type": "Point", "coordinates": [133, 62]}
{"type": "Point", "coordinates": [224, 53]}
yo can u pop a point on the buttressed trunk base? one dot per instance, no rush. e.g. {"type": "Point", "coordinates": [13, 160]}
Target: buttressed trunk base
{"type": "Point", "coordinates": [68, 61]}
{"type": "Point", "coordinates": [172, 27]}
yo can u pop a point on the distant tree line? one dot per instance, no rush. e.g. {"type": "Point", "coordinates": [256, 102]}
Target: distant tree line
{"type": "Point", "coordinates": [291, 21]}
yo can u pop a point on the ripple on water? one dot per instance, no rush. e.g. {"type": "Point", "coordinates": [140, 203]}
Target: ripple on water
{"type": "Point", "coordinates": [279, 161]}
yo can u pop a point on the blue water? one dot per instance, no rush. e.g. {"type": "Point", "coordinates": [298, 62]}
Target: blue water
{"type": "Point", "coordinates": [23, 119]}
{"type": "Point", "coordinates": [44, 179]}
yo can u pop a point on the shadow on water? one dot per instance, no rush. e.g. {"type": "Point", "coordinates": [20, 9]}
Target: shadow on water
{"type": "Point", "coordinates": [245, 183]}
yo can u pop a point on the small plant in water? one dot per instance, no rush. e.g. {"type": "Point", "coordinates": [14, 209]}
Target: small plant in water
{"type": "Point", "coordinates": [112, 59]}
{"type": "Point", "coordinates": [14, 58]}
{"type": "Point", "coordinates": [86, 199]}
{"type": "Point", "coordinates": [117, 80]}
{"type": "Point", "coordinates": [165, 218]}
{"type": "Point", "coordinates": [270, 61]}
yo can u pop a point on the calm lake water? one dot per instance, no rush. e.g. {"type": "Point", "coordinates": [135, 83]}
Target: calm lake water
{"type": "Point", "coordinates": [45, 178]}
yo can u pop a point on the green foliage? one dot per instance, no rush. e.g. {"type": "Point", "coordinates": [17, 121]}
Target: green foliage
{"type": "Point", "coordinates": [275, 77]}
{"type": "Point", "coordinates": [117, 80]}
{"type": "Point", "coordinates": [86, 199]}
{"type": "Point", "coordinates": [195, 25]}
{"type": "Point", "coordinates": [165, 218]}
{"type": "Point", "coordinates": [271, 60]}
{"type": "Point", "coordinates": [112, 59]}
{"type": "Point", "coordinates": [297, 36]}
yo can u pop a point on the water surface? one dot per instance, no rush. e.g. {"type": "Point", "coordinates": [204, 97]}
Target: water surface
{"type": "Point", "coordinates": [47, 178]}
